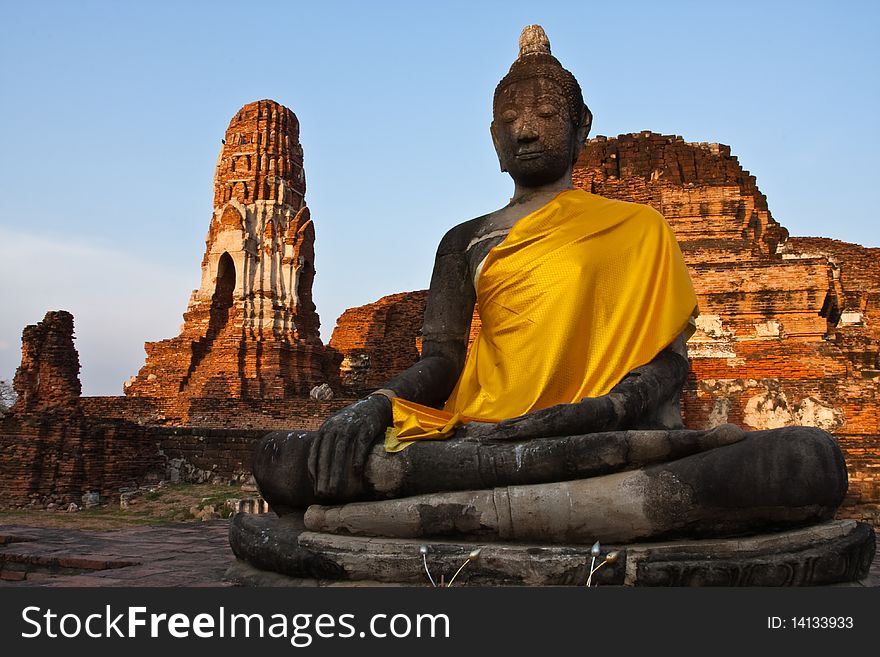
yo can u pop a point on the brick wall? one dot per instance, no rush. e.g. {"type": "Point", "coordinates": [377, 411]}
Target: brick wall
{"type": "Point", "coordinates": [57, 456]}
{"type": "Point", "coordinates": [216, 413]}
{"type": "Point", "coordinates": [198, 455]}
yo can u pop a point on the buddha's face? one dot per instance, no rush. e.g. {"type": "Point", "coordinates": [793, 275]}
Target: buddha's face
{"type": "Point", "coordinates": [533, 133]}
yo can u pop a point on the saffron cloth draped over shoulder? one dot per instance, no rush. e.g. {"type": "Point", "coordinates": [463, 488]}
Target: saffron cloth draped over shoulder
{"type": "Point", "coordinates": [579, 293]}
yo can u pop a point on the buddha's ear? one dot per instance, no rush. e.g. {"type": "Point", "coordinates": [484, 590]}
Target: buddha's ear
{"type": "Point", "coordinates": [496, 145]}
{"type": "Point", "coordinates": [582, 133]}
{"type": "Point", "coordinates": [586, 124]}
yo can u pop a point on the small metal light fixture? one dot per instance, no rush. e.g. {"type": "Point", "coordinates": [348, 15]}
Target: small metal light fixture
{"type": "Point", "coordinates": [423, 550]}
{"type": "Point", "coordinates": [595, 551]}
{"type": "Point", "coordinates": [472, 556]}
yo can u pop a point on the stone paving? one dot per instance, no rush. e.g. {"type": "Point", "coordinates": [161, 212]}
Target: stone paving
{"type": "Point", "coordinates": [179, 554]}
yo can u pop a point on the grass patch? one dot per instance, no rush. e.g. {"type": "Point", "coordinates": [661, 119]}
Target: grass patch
{"type": "Point", "coordinates": [170, 503]}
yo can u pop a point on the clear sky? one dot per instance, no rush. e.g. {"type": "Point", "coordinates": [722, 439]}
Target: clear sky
{"type": "Point", "coordinates": [113, 112]}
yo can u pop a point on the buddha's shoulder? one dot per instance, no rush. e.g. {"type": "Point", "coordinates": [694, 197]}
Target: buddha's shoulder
{"type": "Point", "coordinates": [459, 237]}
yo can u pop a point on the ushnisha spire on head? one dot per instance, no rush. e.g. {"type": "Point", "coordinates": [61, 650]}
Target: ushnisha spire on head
{"type": "Point", "coordinates": [535, 60]}
{"type": "Point", "coordinates": [533, 40]}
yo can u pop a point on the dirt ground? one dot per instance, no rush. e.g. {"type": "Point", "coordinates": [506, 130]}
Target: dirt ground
{"type": "Point", "coordinates": [161, 504]}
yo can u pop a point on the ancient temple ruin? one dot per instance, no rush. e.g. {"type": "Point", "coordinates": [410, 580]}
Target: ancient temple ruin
{"type": "Point", "coordinates": [789, 331]}
{"type": "Point", "coordinates": [251, 330]}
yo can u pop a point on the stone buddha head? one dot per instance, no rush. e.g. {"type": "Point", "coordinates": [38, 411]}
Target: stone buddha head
{"type": "Point", "coordinates": [540, 121]}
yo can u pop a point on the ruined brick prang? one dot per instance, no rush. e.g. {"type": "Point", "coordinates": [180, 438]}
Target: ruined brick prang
{"type": "Point", "coordinates": [48, 376]}
{"type": "Point", "coordinates": [789, 329]}
{"type": "Point", "coordinates": [251, 330]}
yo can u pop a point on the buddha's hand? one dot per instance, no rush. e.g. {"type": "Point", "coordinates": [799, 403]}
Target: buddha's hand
{"type": "Point", "coordinates": [339, 452]}
{"type": "Point", "coordinates": [588, 416]}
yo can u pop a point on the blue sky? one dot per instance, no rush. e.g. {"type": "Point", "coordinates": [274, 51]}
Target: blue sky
{"type": "Point", "coordinates": [113, 114]}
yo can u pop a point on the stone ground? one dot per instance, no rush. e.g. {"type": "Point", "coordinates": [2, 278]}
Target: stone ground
{"type": "Point", "coordinates": [177, 554]}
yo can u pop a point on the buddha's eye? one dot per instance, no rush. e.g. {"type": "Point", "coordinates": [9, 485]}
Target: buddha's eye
{"type": "Point", "coordinates": [546, 109]}
{"type": "Point", "coordinates": [509, 116]}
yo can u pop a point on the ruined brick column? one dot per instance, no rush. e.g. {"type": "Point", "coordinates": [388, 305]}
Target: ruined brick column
{"type": "Point", "coordinates": [48, 377]}
{"type": "Point", "coordinates": [251, 330]}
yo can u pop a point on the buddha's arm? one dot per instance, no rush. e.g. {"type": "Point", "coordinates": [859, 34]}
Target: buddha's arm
{"type": "Point", "coordinates": [445, 332]}
{"type": "Point", "coordinates": [632, 403]}
{"type": "Point", "coordinates": [343, 442]}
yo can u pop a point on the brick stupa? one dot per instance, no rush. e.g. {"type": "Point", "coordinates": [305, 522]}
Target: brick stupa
{"type": "Point", "coordinates": [251, 330]}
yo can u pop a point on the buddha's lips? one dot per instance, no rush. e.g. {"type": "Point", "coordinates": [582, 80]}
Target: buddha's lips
{"type": "Point", "coordinates": [529, 155]}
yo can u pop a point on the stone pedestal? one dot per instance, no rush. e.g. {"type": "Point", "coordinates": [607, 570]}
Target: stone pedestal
{"type": "Point", "coordinates": [281, 552]}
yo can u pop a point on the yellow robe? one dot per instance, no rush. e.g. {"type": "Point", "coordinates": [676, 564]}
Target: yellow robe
{"type": "Point", "coordinates": [580, 292]}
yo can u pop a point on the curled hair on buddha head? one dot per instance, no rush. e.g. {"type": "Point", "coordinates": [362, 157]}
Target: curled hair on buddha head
{"type": "Point", "coordinates": [535, 61]}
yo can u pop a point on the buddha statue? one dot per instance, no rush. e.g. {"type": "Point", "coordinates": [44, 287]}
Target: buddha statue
{"type": "Point", "coordinates": [561, 424]}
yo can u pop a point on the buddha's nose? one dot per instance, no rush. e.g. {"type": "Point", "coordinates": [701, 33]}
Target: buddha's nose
{"type": "Point", "coordinates": [526, 131]}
